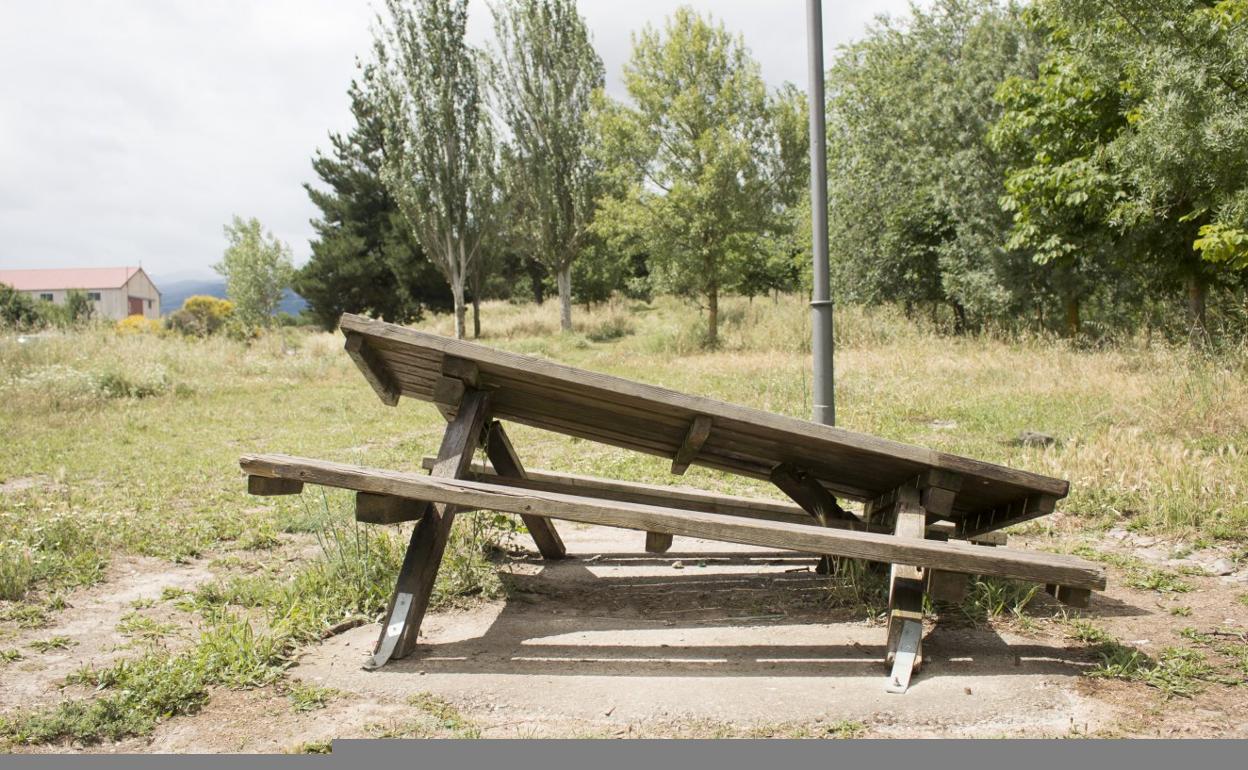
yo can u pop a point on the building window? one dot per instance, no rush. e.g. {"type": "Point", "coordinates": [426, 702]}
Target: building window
{"type": "Point", "coordinates": [45, 297]}
{"type": "Point", "coordinates": [149, 304]}
{"type": "Point", "coordinates": [94, 296]}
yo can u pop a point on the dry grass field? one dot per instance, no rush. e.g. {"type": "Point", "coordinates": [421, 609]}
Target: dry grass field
{"type": "Point", "coordinates": [145, 598]}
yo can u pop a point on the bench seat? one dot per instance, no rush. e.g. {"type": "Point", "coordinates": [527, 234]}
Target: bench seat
{"type": "Point", "coordinates": [959, 557]}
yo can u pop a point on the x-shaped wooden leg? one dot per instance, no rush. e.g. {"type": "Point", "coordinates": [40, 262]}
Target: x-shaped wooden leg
{"type": "Point", "coordinates": [424, 551]}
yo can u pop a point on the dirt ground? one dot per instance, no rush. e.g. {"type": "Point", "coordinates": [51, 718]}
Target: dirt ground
{"type": "Point", "coordinates": [706, 640]}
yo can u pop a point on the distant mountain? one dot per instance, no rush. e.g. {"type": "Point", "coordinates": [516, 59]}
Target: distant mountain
{"type": "Point", "coordinates": [174, 293]}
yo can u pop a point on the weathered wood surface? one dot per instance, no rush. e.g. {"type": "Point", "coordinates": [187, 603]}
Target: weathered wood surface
{"type": "Point", "coordinates": [507, 464]}
{"type": "Point", "coordinates": [699, 432]}
{"type": "Point", "coordinates": [646, 494]}
{"type": "Point", "coordinates": [905, 589]}
{"type": "Point", "coordinates": [658, 542]}
{"type": "Point", "coordinates": [953, 556]}
{"type": "Point", "coordinates": [265, 487]}
{"type": "Point", "coordinates": [373, 369]}
{"type": "Point", "coordinates": [657, 421]}
{"type": "Point", "coordinates": [428, 542]}
{"type": "Point", "coordinates": [386, 509]}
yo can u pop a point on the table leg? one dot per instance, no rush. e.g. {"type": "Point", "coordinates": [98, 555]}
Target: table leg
{"type": "Point", "coordinates": [424, 551]}
{"type": "Point", "coordinates": [506, 463]}
{"type": "Point", "coordinates": [905, 598]}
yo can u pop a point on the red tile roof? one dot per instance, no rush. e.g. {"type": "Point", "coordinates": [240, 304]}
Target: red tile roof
{"type": "Point", "coordinates": [68, 278]}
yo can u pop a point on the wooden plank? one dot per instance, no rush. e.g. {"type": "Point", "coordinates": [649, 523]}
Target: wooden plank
{"type": "Point", "coordinates": [386, 509]}
{"type": "Point", "coordinates": [371, 366]}
{"type": "Point", "coordinates": [954, 556]}
{"type": "Point", "coordinates": [507, 464]}
{"type": "Point", "coordinates": [428, 542]}
{"type": "Point", "coordinates": [658, 542]}
{"type": "Point", "coordinates": [646, 494]}
{"type": "Point", "coordinates": [889, 461]}
{"type": "Point", "coordinates": [1073, 597]}
{"type": "Point", "coordinates": [699, 431]}
{"type": "Point", "coordinates": [266, 487]}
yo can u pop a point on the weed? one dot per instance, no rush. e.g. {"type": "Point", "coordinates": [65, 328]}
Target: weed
{"type": "Point", "coordinates": [10, 655]}
{"type": "Point", "coordinates": [25, 615]}
{"type": "Point", "coordinates": [51, 643]}
{"type": "Point", "coordinates": [989, 598]}
{"type": "Point", "coordinates": [144, 627]}
{"type": "Point", "coordinates": [306, 697]}
{"type": "Point", "coordinates": [1157, 580]}
{"type": "Point", "coordinates": [1181, 612]}
{"type": "Point", "coordinates": [446, 714]}
{"type": "Point", "coordinates": [313, 747]}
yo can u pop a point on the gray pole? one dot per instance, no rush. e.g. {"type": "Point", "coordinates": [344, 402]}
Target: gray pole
{"type": "Point", "coordinates": [821, 299]}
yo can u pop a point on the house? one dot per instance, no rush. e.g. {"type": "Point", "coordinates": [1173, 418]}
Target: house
{"type": "Point", "coordinates": [116, 292]}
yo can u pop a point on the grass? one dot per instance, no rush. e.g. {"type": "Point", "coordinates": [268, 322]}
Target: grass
{"type": "Point", "coordinates": [127, 446]}
{"type": "Point", "coordinates": [306, 697]}
{"type": "Point", "coordinates": [51, 643]}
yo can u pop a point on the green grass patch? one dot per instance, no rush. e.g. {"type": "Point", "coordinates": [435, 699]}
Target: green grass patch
{"type": "Point", "coordinates": [305, 697]}
{"type": "Point", "coordinates": [51, 643]}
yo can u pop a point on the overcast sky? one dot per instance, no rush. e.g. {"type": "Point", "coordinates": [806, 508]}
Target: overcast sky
{"type": "Point", "coordinates": [130, 132]}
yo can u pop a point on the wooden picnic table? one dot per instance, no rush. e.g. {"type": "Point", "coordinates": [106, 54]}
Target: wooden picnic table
{"type": "Point", "coordinates": [917, 503]}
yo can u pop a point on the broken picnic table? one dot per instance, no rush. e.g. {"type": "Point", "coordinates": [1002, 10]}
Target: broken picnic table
{"type": "Point", "coordinates": [929, 514]}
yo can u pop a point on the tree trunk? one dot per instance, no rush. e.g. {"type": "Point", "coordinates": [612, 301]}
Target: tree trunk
{"type": "Point", "coordinates": [457, 295]}
{"type": "Point", "coordinates": [563, 277]}
{"type": "Point", "coordinates": [1197, 293]}
{"type": "Point", "coordinates": [476, 316]}
{"type": "Point", "coordinates": [1070, 307]}
{"type": "Point", "coordinates": [712, 317]}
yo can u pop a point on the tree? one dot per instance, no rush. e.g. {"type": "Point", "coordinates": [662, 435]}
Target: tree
{"type": "Point", "coordinates": [693, 159]}
{"type": "Point", "coordinates": [364, 258]}
{"type": "Point", "coordinates": [438, 147]}
{"type": "Point", "coordinates": [257, 270]}
{"type": "Point", "coordinates": [914, 187]}
{"type": "Point", "coordinates": [1133, 136]}
{"type": "Point", "coordinates": [544, 73]}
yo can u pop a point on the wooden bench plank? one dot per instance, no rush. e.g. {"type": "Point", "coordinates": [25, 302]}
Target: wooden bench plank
{"type": "Point", "coordinates": [953, 556]}
{"type": "Point", "coordinates": [646, 494]}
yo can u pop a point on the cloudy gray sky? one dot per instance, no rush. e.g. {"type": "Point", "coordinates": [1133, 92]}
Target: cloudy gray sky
{"type": "Point", "coordinates": [131, 131]}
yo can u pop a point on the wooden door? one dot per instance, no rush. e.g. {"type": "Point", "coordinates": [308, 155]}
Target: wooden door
{"type": "Point", "coordinates": [136, 306]}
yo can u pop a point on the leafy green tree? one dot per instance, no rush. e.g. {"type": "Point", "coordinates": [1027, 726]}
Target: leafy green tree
{"type": "Point", "coordinates": [257, 270]}
{"type": "Point", "coordinates": [693, 159]}
{"type": "Point", "coordinates": [439, 154]}
{"type": "Point", "coordinates": [364, 257]}
{"type": "Point", "coordinates": [914, 187]}
{"type": "Point", "coordinates": [1132, 139]}
{"type": "Point", "coordinates": [544, 72]}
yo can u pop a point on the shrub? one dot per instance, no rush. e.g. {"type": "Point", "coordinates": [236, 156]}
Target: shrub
{"type": "Point", "coordinates": [137, 324]}
{"type": "Point", "coordinates": [201, 316]}
{"type": "Point", "coordinates": [16, 308]}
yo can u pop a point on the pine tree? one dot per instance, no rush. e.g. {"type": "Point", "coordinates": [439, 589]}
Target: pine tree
{"type": "Point", "coordinates": [364, 259]}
